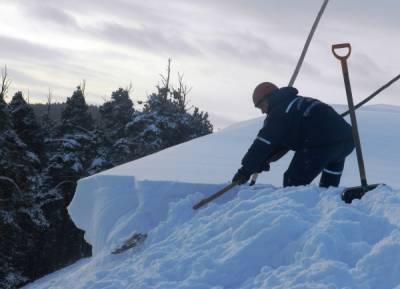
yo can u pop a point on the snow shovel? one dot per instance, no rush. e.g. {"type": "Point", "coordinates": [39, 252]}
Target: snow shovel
{"type": "Point", "coordinates": [133, 241]}
{"type": "Point", "coordinates": [214, 196]}
{"type": "Point", "coordinates": [349, 194]}
{"type": "Point", "coordinates": [277, 155]}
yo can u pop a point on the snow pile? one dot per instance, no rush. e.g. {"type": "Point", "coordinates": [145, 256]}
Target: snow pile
{"type": "Point", "coordinates": [265, 237]}
{"type": "Point", "coordinates": [252, 237]}
{"type": "Point", "coordinates": [111, 208]}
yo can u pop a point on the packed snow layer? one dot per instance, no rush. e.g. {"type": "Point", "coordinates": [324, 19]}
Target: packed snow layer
{"type": "Point", "coordinates": [111, 208]}
{"type": "Point", "coordinates": [260, 237]}
{"type": "Point", "coordinates": [204, 165]}
{"type": "Point", "coordinates": [264, 237]}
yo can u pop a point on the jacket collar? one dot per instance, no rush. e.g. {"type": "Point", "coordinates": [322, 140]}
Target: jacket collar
{"type": "Point", "coordinates": [281, 95]}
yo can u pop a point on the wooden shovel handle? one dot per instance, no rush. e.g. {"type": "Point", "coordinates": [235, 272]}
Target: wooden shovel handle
{"type": "Point", "coordinates": [214, 196]}
{"type": "Point", "coordinates": [341, 46]}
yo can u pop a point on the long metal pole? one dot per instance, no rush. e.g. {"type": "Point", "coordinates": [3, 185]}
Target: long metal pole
{"type": "Point", "coordinates": [361, 103]}
{"type": "Point", "coordinates": [307, 44]}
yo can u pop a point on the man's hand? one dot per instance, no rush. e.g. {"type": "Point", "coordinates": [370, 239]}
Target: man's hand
{"type": "Point", "coordinates": [241, 177]}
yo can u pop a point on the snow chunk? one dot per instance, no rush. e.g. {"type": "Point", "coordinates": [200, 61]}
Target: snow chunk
{"type": "Point", "coordinates": [258, 237]}
{"type": "Point", "coordinates": [111, 208]}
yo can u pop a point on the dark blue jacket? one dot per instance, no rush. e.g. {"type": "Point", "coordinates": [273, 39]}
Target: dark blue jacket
{"type": "Point", "coordinates": [294, 123]}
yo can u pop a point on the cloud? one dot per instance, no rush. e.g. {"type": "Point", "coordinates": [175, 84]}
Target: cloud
{"type": "Point", "coordinates": [218, 44]}
{"type": "Point", "coordinates": [68, 11]}
{"type": "Point", "coordinates": [21, 77]}
{"type": "Point", "coordinates": [148, 26]}
{"type": "Point", "coordinates": [50, 13]}
{"type": "Point", "coordinates": [19, 49]}
{"type": "Point", "coordinates": [248, 48]}
{"type": "Point", "coordinates": [150, 39]}
{"type": "Point", "coordinates": [365, 66]}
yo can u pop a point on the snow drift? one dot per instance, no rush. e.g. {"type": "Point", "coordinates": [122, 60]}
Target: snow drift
{"type": "Point", "coordinates": [253, 237]}
{"type": "Point", "coordinates": [265, 237]}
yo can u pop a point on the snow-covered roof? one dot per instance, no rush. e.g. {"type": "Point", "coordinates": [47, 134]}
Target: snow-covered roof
{"type": "Point", "coordinates": [253, 237]}
{"type": "Point", "coordinates": [214, 158]}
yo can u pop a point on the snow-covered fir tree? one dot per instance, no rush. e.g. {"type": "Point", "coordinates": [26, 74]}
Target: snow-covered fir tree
{"type": "Point", "coordinates": [76, 114]}
{"type": "Point", "coordinates": [114, 115]}
{"type": "Point", "coordinates": [73, 148]}
{"type": "Point", "coordinates": [166, 120]}
{"type": "Point", "coordinates": [37, 234]}
{"type": "Point", "coordinates": [19, 167]}
{"type": "Point", "coordinates": [164, 123]}
{"type": "Point", "coordinates": [17, 162]}
{"type": "Point", "coordinates": [100, 160]}
{"type": "Point", "coordinates": [26, 125]}
{"type": "Point", "coordinates": [40, 164]}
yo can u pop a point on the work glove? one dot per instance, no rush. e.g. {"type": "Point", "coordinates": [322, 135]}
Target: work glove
{"type": "Point", "coordinates": [241, 176]}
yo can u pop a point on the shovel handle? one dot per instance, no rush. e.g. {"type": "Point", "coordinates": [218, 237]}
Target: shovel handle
{"type": "Point", "coordinates": [214, 196]}
{"type": "Point", "coordinates": [335, 47]}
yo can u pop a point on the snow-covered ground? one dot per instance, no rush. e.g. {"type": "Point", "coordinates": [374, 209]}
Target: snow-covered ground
{"type": "Point", "coordinates": [253, 237]}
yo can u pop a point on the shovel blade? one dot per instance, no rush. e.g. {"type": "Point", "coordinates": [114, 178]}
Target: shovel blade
{"type": "Point", "coordinates": [349, 194]}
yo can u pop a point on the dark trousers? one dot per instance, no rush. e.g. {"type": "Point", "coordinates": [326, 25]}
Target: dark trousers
{"type": "Point", "coordinates": [308, 163]}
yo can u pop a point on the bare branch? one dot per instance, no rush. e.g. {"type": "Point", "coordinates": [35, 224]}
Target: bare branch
{"type": "Point", "coordinates": [62, 183]}
{"type": "Point", "coordinates": [129, 87]}
{"type": "Point", "coordinates": [5, 83]}
{"type": "Point", "coordinates": [186, 90]}
{"type": "Point", "coordinates": [49, 99]}
{"type": "Point", "coordinates": [182, 91]}
{"type": "Point", "coordinates": [82, 128]}
{"type": "Point", "coordinates": [104, 98]}
{"type": "Point", "coordinates": [165, 80]}
{"type": "Point", "coordinates": [3, 178]}
{"type": "Point", "coordinates": [168, 73]}
{"type": "Point", "coordinates": [83, 86]}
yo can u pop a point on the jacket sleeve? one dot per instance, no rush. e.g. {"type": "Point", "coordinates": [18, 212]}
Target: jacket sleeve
{"type": "Point", "coordinates": [266, 145]}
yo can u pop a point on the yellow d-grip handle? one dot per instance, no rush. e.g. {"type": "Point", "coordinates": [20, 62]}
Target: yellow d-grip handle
{"type": "Point", "coordinates": [341, 46]}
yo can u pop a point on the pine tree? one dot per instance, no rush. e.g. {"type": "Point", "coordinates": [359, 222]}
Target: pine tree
{"type": "Point", "coordinates": [144, 132]}
{"type": "Point", "coordinates": [16, 161]}
{"type": "Point", "coordinates": [25, 125]}
{"type": "Point", "coordinates": [114, 115]}
{"type": "Point", "coordinates": [76, 117]}
{"type": "Point", "coordinates": [34, 222]}
{"type": "Point", "coordinates": [165, 120]}
{"type": "Point", "coordinates": [73, 149]}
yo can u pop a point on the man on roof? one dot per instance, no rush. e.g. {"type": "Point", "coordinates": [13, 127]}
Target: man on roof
{"type": "Point", "coordinates": [319, 136]}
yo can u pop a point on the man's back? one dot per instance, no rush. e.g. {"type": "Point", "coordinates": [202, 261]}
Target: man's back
{"type": "Point", "coordinates": [298, 122]}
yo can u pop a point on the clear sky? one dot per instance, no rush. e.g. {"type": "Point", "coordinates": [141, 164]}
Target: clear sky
{"type": "Point", "coordinates": [223, 48]}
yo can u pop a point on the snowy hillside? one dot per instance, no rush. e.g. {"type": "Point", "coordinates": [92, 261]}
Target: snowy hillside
{"type": "Point", "coordinates": [253, 237]}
